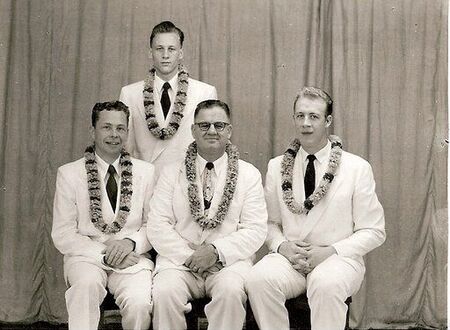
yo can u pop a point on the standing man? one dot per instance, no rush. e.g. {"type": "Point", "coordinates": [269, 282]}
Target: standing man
{"type": "Point", "coordinates": [208, 218]}
{"type": "Point", "coordinates": [162, 106]}
{"type": "Point", "coordinates": [324, 216]}
{"type": "Point", "coordinates": [99, 224]}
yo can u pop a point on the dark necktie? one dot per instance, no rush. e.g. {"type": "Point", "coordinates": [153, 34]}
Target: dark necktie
{"type": "Point", "coordinates": [310, 176]}
{"type": "Point", "coordinates": [111, 187]}
{"type": "Point", "coordinates": [165, 99]}
{"type": "Point", "coordinates": [207, 185]}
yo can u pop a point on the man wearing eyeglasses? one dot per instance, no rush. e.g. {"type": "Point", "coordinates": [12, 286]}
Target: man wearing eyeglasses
{"type": "Point", "coordinates": [207, 219]}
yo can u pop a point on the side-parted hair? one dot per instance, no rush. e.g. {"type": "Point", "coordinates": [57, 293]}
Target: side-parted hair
{"type": "Point", "coordinates": [315, 93]}
{"type": "Point", "coordinates": [207, 104]}
{"type": "Point", "coordinates": [166, 27]}
{"type": "Point", "coordinates": [108, 106]}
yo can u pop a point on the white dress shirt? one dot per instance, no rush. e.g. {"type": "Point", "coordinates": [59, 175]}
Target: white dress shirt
{"type": "Point", "coordinates": [158, 89]}
{"type": "Point", "coordinates": [320, 163]}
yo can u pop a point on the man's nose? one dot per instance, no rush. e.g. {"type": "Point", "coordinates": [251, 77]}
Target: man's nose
{"type": "Point", "coordinates": [114, 132]}
{"type": "Point", "coordinates": [306, 121]}
{"type": "Point", "coordinates": [211, 129]}
{"type": "Point", "coordinates": [165, 53]}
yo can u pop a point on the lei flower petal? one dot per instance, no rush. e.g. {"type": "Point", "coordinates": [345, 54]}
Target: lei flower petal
{"type": "Point", "coordinates": [287, 170]}
{"type": "Point", "coordinates": [180, 103]}
{"type": "Point", "coordinates": [193, 191]}
{"type": "Point", "coordinates": [126, 191]}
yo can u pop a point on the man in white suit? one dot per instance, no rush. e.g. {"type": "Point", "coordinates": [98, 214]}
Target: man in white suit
{"type": "Point", "coordinates": [162, 106]}
{"type": "Point", "coordinates": [324, 216]}
{"type": "Point", "coordinates": [99, 224]}
{"type": "Point", "coordinates": [208, 218]}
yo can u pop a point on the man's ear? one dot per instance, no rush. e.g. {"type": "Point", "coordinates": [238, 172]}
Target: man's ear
{"type": "Point", "coordinates": [181, 55]}
{"type": "Point", "coordinates": [92, 132]}
{"type": "Point", "coordinates": [230, 131]}
{"type": "Point", "coordinates": [328, 121]}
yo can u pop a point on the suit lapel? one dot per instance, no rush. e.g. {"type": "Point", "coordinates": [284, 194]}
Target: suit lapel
{"type": "Point", "coordinates": [315, 215]}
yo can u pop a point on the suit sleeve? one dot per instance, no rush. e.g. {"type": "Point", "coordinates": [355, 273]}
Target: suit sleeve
{"type": "Point", "coordinates": [140, 237]}
{"type": "Point", "coordinates": [368, 218]}
{"type": "Point", "coordinates": [65, 233]}
{"type": "Point", "coordinates": [252, 227]}
{"type": "Point", "coordinates": [275, 233]}
{"type": "Point", "coordinates": [126, 98]}
{"type": "Point", "coordinates": [161, 230]}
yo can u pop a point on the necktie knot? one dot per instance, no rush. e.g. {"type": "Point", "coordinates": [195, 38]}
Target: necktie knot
{"type": "Point", "coordinates": [311, 158]}
{"type": "Point", "coordinates": [111, 170]}
{"type": "Point", "coordinates": [209, 165]}
{"type": "Point", "coordinates": [166, 86]}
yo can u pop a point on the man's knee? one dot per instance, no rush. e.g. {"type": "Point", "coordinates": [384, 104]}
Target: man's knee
{"type": "Point", "coordinates": [167, 286]}
{"type": "Point", "coordinates": [229, 287]}
{"type": "Point", "coordinates": [325, 284]}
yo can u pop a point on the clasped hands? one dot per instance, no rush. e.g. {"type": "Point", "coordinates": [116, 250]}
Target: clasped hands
{"type": "Point", "coordinates": [303, 256]}
{"type": "Point", "coordinates": [119, 253]}
{"type": "Point", "coordinates": [204, 260]}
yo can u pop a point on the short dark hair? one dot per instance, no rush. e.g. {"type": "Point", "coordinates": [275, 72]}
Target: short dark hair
{"type": "Point", "coordinates": [166, 27]}
{"type": "Point", "coordinates": [108, 106]}
{"type": "Point", "coordinates": [207, 104]}
{"type": "Point", "coordinates": [315, 93]}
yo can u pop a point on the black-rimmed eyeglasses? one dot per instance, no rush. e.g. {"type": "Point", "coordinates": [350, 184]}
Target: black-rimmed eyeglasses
{"type": "Point", "coordinates": [218, 125]}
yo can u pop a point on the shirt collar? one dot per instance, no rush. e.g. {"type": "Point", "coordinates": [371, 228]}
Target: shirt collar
{"type": "Point", "coordinates": [159, 83]}
{"type": "Point", "coordinates": [220, 164]}
{"type": "Point", "coordinates": [102, 166]}
{"type": "Point", "coordinates": [322, 155]}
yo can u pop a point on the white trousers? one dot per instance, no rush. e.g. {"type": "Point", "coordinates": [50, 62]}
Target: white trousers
{"type": "Point", "coordinates": [273, 280]}
{"type": "Point", "coordinates": [87, 283]}
{"type": "Point", "coordinates": [174, 288]}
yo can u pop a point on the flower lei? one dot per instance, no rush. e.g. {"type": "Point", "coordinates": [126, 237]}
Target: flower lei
{"type": "Point", "coordinates": [180, 103]}
{"type": "Point", "coordinates": [193, 193]}
{"type": "Point", "coordinates": [126, 191]}
{"type": "Point", "coordinates": [287, 169]}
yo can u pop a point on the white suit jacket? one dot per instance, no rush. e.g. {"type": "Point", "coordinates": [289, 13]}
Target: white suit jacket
{"type": "Point", "coordinates": [349, 217]}
{"type": "Point", "coordinates": [74, 234]}
{"type": "Point", "coordinates": [142, 144]}
{"type": "Point", "coordinates": [171, 227]}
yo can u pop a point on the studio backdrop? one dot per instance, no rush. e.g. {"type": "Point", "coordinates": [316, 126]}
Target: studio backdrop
{"type": "Point", "coordinates": [383, 61]}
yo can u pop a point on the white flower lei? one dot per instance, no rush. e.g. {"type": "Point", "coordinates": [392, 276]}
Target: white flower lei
{"type": "Point", "coordinates": [180, 103]}
{"type": "Point", "coordinates": [287, 169]}
{"type": "Point", "coordinates": [126, 191]}
{"type": "Point", "coordinates": [193, 192]}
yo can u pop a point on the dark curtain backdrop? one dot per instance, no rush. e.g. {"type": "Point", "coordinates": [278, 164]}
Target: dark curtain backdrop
{"type": "Point", "coordinates": [384, 62]}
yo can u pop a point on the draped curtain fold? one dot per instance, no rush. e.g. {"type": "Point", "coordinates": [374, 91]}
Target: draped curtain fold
{"type": "Point", "coordinates": [383, 62]}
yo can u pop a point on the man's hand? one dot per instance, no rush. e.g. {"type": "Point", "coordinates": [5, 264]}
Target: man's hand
{"type": "Point", "coordinates": [131, 259]}
{"type": "Point", "coordinates": [202, 259]}
{"type": "Point", "coordinates": [116, 251]}
{"type": "Point", "coordinates": [300, 264]}
{"type": "Point", "coordinates": [317, 254]}
{"type": "Point", "coordinates": [290, 249]}
{"type": "Point", "coordinates": [211, 270]}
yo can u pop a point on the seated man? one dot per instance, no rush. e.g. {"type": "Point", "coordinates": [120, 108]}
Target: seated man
{"type": "Point", "coordinates": [324, 216]}
{"type": "Point", "coordinates": [208, 218]}
{"type": "Point", "coordinates": [99, 224]}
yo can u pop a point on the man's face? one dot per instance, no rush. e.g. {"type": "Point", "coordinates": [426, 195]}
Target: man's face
{"type": "Point", "coordinates": [166, 53]}
{"type": "Point", "coordinates": [212, 142]}
{"type": "Point", "coordinates": [311, 123]}
{"type": "Point", "coordinates": [110, 134]}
